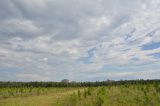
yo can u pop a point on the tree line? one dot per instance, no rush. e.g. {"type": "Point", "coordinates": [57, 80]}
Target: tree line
{"type": "Point", "coordinates": [66, 83]}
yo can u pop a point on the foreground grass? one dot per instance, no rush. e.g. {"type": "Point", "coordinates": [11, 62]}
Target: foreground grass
{"type": "Point", "coordinates": [47, 98]}
{"type": "Point", "coordinates": [116, 95]}
{"type": "Point", "coordinates": [121, 95]}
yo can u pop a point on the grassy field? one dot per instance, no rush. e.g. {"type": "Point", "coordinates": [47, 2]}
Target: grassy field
{"type": "Point", "coordinates": [115, 95]}
{"type": "Point", "coordinates": [34, 96]}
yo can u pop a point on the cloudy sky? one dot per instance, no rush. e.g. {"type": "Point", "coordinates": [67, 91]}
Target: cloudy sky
{"type": "Point", "coordinates": [81, 40]}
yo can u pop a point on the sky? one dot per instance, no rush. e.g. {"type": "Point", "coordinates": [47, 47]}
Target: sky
{"type": "Point", "coordinates": [79, 40]}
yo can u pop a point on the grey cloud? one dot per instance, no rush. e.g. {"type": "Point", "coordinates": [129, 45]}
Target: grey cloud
{"type": "Point", "coordinates": [8, 10]}
{"type": "Point", "coordinates": [51, 36]}
{"type": "Point", "coordinates": [63, 20]}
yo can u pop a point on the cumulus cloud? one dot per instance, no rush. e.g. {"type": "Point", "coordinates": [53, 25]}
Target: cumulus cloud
{"type": "Point", "coordinates": [52, 40]}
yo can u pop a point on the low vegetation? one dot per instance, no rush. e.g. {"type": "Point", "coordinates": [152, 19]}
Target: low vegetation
{"type": "Point", "coordinates": [124, 93]}
{"type": "Point", "coordinates": [121, 95]}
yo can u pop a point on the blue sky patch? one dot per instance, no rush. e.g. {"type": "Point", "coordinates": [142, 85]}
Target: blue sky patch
{"type": "Point", "coordinates": [155, 55]}
{"type": "Point", "coordinates": [151, 46]}
{"type": "Point", "coordinates": [87, 59]}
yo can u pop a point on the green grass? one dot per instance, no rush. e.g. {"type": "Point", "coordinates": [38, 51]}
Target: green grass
{"type": "Point", "coordinates": [121, 95]}
{"type": "Point", "coordinates": [38, 96]}
{"type": "Point", "coordinates": [116, 95]}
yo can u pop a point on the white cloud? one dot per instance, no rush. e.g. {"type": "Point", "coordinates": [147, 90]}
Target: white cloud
{"type": "Point", "coordinates": [55, 37]}
{"type": "Point", "coordinates": [31, 77]}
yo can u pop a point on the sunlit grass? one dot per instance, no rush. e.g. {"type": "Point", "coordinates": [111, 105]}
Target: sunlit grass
{"type": "Point", "coordinates": [50, 97]}
{"type": "Point", "coordinates": [115, 95]}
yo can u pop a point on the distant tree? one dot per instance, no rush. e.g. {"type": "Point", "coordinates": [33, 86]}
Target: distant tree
{"type": "Point", "coordinates": [73, 81]}
{"type": "Point", "coordinates": [109, 82]}
{"type": "Point", "coordinates": [65, 81]}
